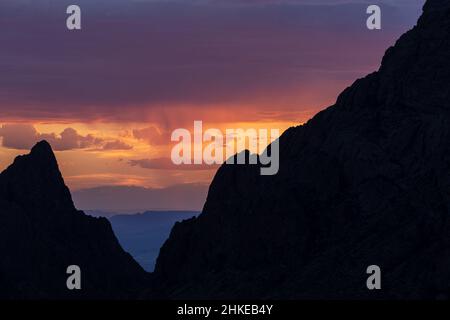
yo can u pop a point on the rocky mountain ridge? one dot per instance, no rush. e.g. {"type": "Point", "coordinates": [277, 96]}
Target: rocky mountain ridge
{"type": "Point", "coordinates": [365, 182]}
{"type": "Point", "coordinates": [42, 234]}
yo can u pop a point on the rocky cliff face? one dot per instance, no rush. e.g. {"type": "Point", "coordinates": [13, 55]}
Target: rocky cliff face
{"type": "Point", "coordinates": [367, 181]}
{"type": "Point", "coordinates": [41, 234]}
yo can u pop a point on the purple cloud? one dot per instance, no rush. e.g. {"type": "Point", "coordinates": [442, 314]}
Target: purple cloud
{"type": "Point", "coordinates": [137, 56]}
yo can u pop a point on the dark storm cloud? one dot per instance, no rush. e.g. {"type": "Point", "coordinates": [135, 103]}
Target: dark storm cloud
{"type": "Point", "coordinates": [149, 54]}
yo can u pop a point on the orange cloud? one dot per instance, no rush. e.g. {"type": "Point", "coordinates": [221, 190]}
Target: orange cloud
{"type": "Point", "coordinates": [152, 135]}
{"type": "Point", "coordinates": [117, 145]}
{"type": "Point", "coordinates": [24, 136]}
{"type": "Point", "coordinates": [167, 164]}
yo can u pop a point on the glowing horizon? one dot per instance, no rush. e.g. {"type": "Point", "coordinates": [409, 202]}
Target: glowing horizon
{"type": "Point", "coordinates": [108, 97]}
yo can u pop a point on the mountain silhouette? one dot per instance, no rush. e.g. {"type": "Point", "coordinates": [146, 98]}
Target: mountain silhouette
{"type": "Point", "coordinates": [365, 182]}
{"type": "Point", "coordinates": [42, 234]}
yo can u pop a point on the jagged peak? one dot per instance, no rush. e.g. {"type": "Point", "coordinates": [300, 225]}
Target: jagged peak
{"type": "Point", "coordinates": [43, 150]}
{"type": "Point", "coordinates": [40, 157]}
{"type": "Point", "coordinates": [42, 147]}
{"type": "Point", "coordinates": [35, 179]}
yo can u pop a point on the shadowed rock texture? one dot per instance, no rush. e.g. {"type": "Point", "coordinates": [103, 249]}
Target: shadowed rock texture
{"type": "Point", "coordinates": [367, 181]}
{"type": "Point", "coordinates": [41, 234]}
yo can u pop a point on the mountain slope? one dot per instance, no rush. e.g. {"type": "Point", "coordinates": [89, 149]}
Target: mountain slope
{"type": "Point", "coordinates": [41, 234]}
{"type": "Point", "coordinates": [367, 181]}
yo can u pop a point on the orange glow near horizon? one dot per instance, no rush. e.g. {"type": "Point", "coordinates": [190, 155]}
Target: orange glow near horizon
{"type": "Point", "coordinates": [93, 166]}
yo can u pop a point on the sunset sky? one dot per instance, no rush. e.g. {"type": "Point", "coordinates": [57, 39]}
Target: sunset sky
{"type": "Point", "coordinates": [108, 97]}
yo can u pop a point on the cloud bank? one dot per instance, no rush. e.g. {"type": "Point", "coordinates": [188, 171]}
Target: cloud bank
{"type": "Point", "coordinates": [135, 61]}
{"type": "Point", "coordinates": [24, 136]}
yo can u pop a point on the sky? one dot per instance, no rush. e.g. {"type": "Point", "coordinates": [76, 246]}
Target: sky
{"type": "Point", "coordinates": [108, 97]}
